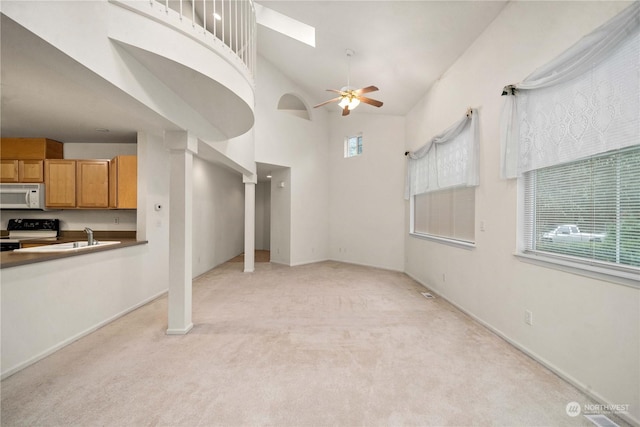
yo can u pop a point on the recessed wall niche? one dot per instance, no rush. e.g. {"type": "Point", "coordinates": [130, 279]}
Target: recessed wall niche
{"type": "Point", "coordinates": [291, 104]}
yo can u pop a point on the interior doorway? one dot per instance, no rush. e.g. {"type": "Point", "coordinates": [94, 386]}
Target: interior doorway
{"type": "Point", "coordinates": [270, 229]}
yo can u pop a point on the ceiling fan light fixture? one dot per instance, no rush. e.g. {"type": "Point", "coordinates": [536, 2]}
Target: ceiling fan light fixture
{"type": "Point", "coordinates": [350, 97]}
{"type": "Point", "coordinates": [349, 101]}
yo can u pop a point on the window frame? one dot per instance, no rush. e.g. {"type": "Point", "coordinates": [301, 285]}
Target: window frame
{"type": "Point", "coordinates": [359, 145]}
{"type": "Point", "coordinates": [613, 273]}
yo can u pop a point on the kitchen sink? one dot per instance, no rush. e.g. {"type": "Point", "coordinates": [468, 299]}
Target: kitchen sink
{"type": "Point", "coordinates": [67, 247]}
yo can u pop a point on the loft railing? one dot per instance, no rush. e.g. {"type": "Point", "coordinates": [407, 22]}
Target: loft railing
{"type": "Point", "coordinates": [232, 23]}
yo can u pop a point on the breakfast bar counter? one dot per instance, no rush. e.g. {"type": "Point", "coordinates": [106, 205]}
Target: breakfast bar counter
{"type": "Point", "coordinates": [14, 259]}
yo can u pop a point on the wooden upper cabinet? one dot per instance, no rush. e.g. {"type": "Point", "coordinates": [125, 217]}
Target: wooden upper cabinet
{"type": "Point", "coordinates": [123, 182]}
{"type": "Point", "coordinates": [21, 170]}
{"type": "Point", "coordinates": [30, 170]}
{"type": "Point", "coordinates": [9, 171]}
{"type": "Point", "coordinates": [60, 182]}
{"type": "Point", "coordinates": [92, 183]}
{"type": "Point", "coordinates": [30, 148]}
{"type": "Point", "coordinates": [22, 158]}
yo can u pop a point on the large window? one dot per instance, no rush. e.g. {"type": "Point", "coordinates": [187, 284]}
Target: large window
{"type": "Point", "coordinates": [448, 214]}
{"type": "Point", "coordinates": [571, 132]}
{"type": "Point", "coordinates": [587, 210]}
{"type": "Point", "coordinates": [442, 177]}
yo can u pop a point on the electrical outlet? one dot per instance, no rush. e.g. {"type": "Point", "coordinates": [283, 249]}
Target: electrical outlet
{"type": "Point", "coordinates": [116, 220]}
{"type": "Point", "coordinates": [528, 317]}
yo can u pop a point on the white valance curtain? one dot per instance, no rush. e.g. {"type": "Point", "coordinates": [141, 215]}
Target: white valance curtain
{"type": "Point", "coordinates": [450, 159]}
{"type": "Point", "coordinates": [584, 102]}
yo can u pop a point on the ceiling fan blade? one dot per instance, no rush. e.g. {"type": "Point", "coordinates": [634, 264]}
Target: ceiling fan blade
{"type": "Point", "coordinates": [337, 91]}
{"type": "Point", "coordinates": [345, 110]}
{"type": "Point", "coordinates": [370, 101]}
{"type": "Point", "coordinates": [326, 102]}
{"type": "Point", "coordinates": [365, 90]}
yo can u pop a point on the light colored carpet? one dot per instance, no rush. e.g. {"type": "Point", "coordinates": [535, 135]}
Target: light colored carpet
{"type": "Point", "coordinates": [327, 344]}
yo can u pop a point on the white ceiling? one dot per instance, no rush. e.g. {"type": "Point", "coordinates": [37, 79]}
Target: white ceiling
{"type": "Point", "coordinates": [400, 46]}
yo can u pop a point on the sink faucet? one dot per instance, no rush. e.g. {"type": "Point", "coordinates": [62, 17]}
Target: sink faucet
{"type": "Point", "coordinates": [89, 236]}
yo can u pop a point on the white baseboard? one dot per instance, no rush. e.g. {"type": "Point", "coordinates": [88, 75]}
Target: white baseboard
{"type": "Point", "coordinates": [182, 331]}
{"type": "Point", "coordinates": [337, 260]}
{"type": "Point", "coordinates": [279, 263]}
{"type": "Point", "coordinates": [307, 262]}
{"type": "Point", "coordinates": [368, 265]}
{"type": "Point", "coordinates": [559, 372]}
{"type": "Point", "coordinates": [76, 337]}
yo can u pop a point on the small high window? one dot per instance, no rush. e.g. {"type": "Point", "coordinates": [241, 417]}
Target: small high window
{"type": "Point", "coordinates": [353, 146]}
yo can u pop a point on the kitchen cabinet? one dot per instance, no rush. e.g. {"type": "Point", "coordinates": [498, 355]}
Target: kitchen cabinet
{"type": "Point", "coordinates": [60, 183]}
{"type": "Point", "coordinates": [92, 183]}
{"type": "Point", "coordinates": [123, 182]}
{"type": "Point", "coordinates": [21, 170]}
{"type": "Point", "coordinates": [77, 184]}
{"type": "Point", "coordinates": [30, 170]}
{"type": "Point", "coordinates": [30, 148]}
{"type": "Point", "coordinates": [8, 170]}
{"type": "Point", "coordinates": [23, 158]}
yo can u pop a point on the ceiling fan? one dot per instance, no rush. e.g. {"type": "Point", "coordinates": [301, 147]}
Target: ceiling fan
{"type": "Point", "coordinates": [350, 97]}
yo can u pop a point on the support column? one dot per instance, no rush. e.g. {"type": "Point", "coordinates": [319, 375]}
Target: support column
{"type": "Point", "coordinates": [249, 222]}
{"type": "Point", "coordinates": [183, 146]}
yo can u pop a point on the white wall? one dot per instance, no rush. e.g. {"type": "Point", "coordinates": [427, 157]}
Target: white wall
{"type": "Point", "coordinates": [77, 220]}
{"type": "Point", "coordinates": [218, 215]}
{"type": "Point", "coordinates": [286, 140]}
{"type": "Point", "coordinates": [366, 191]}
{"type": "Point", "coordinates": [587, 330]}
{"type": "Point", "coordinates": [94, 150]}
{"type": "Point", "coordinates": [263, 215]}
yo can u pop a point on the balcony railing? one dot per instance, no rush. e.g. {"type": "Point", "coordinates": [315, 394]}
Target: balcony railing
{"type": "Point", "coordinates": [231, 23]}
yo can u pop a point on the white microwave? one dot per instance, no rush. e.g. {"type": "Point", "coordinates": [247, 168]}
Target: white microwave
{"type": "Point", "coordinates": [22, 196]}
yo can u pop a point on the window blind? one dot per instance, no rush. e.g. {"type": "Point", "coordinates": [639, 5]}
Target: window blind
{"type": "Point", "coordinates": [448, 213]}
{"type": "Point", "coordinates": [588, 209]}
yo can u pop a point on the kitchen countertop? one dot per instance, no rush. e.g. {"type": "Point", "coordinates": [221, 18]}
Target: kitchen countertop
{"type": "Point", "coordinates": [14, 259]}
{"type": "Point", "coordinates": [10, 259]}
